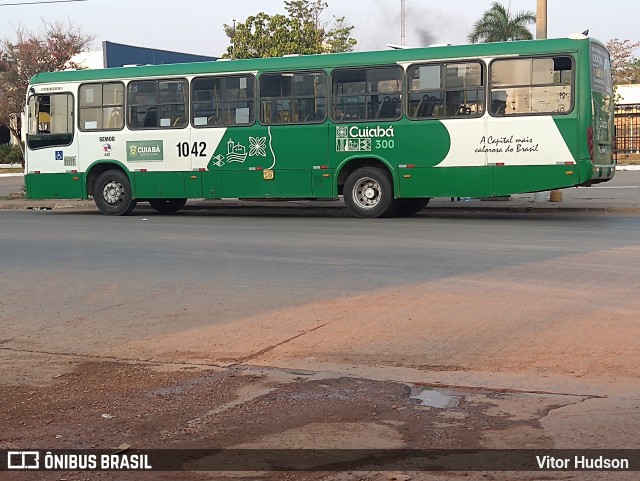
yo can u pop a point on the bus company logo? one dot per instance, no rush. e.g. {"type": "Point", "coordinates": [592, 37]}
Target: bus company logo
{"type": "Point", "coordinates": [23, 460]}
{"type": "Point", "coordinates": [358, 138]}
{"type": "Point", "coordinates": [106, 148]}
{"type": "Point", "coordinates": [145, 151]}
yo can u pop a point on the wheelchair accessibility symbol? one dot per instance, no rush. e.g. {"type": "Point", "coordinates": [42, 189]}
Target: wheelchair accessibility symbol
{"type": "Point", "coordinates": [59, 155]}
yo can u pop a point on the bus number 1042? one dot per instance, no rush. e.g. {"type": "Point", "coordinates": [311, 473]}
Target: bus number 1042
{"type": "Point", "coordinates": [197, 149]}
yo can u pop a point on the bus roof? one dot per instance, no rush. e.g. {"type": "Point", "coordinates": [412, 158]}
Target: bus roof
{"type": "Point", "coordinates": [525, 47]}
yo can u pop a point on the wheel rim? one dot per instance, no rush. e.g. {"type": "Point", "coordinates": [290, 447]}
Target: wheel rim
{"type": "Point", "coordinates": [113, 192]}
{"type": "Point", "coordinates": [367, 193]}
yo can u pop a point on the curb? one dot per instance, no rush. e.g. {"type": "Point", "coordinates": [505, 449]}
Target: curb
{"type": "Point", "coordinates": [21, 204]}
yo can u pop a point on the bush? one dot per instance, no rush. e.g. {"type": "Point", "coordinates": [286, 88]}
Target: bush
{"type": "Point", "coordinates": [11, 154]}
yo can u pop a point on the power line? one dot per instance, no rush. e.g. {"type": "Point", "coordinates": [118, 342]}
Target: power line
{"type": "Point", "coordinates": [39, 2]}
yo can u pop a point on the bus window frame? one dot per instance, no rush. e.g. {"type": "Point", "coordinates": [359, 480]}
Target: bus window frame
{"type": "Point", "coordinates": [484, 78]}
{"type": "Point", "coordinates": [327, 96]}
{"type": "Point", "coordinates": [124, 105]}
{"type": "Point", "coordinates": [403, 90]}
{"type": "Point", "coordinates": [158, 80]}
{"type": "Point", "coordinates": [39, 136]}
{"type": "Point", "coordinates": [572, 102]}
{"type": "Point", "coordinates": [224, 75]}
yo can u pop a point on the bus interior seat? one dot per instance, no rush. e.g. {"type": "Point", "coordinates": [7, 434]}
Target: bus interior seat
{"type": "Point", "coordinates": [498, 107]}
{"type": "Point", "coordinates": [384, 109]}
{"type": "Point", "coordinates": [114, 121]}
{"type": "Point", "coordinates": [396, 109]}
{"type": "Point", "coordinates": [151, 119]}
{"type": "Point", "coordinates": [425, 107]}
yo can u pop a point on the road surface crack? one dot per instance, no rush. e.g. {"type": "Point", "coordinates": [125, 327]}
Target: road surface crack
{"type": "Point", "coordinates": [256, 355]}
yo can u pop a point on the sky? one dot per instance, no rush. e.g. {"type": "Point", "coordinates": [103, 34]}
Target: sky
{"type": "Point", "coordinates": [195, 26]}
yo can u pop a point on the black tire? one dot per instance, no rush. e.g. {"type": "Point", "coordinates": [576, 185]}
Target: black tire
{"type": "Point", "coordinates": [368, 193]}
{"type": "Point", "coordinates": [405, 207]}
{"type": "Point", "coordinates": [167, 206]}
{"type": "Point", "coordinates": [112, 193]}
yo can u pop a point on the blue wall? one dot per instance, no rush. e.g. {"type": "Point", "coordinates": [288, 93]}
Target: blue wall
{"type": "Point", "coordinates": [117, 55]}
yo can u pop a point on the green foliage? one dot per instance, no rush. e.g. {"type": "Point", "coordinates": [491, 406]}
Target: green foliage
{"type": "Point", "coordinates": [298, 32]}
{"type": "Point", "coordinates": [625, 68]}
{"type": "Point", "coordinates": [498, 25]}
{"type": "Point", "coordinates": [11, 154]}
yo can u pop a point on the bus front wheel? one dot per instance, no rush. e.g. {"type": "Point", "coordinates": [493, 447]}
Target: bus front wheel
{"type": "Point", "coordinates": [368, 193]}
{"type": "Point", "coordinates": [167, 206]}
{"type": "Point", "coordinates": [112, 193]}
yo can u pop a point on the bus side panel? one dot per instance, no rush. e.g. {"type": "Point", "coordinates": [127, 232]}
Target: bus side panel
{"type": "Point", "coordinates": [193, 185]}
{"type": "Point", "coordinates": [269, 162]}
{"type": "Point", "coordinates": [533, 178]}
{"type": "Point", "coordinates": [211, 185]}
{"type": "Point", "coordinates": [446, 182]}
{"type": "Point", "coordinates": [55, 186]}
{"type": "Point", "coordinates": [159, 185]}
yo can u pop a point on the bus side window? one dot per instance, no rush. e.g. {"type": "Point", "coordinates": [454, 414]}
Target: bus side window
{"type": "Point", "coordinates": [157, 103]}
{"type": "Point", "coordinates": [367, 93]}
{"type": "Point", "coordinates": [445, 90]}
{"type": "Point", "coordinates": [101, 106]}
{"type": "Point", "coordinates": [535, 85]}
{"type": "Point", "coordinates": [222, 100]}
{"type": "Point", "coordinates": [292, 97]}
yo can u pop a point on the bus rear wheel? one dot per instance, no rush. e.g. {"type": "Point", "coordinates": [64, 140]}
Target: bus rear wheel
{"type": "Point", "coordinates": [368, 193]}
{"type": "Point", "coordinates": [167, 206]}
{"type": "Point", "coordinates": [112, 193]}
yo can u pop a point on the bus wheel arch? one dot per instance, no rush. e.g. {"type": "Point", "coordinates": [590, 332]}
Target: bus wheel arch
{"type": "Point", "coordinates": [111, 189]}
{"type": "Point", "coordinates": [167, 206]}
{"type": "Point", "coordinates": [367, 186]}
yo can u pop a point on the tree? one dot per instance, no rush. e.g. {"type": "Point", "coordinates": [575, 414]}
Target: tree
{"type": "Point", "coordinates": [625, 68]}
{"type": "Point", "coordinates": [498, 25]}
{"type": "Point", "coordinates": [301, 31]}
{"type": "Point", "coordinates": [31, 54]}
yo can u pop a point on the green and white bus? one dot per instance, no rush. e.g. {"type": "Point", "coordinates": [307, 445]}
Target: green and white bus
{"type": "Point", "coordinates": [387, 130]}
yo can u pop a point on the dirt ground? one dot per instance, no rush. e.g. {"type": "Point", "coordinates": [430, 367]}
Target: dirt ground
{"type": "Point", "coordinates": [103, 405]}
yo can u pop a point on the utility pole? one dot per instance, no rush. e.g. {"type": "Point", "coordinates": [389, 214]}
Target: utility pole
{"type": "Point", "coordinates": [403, 24]}
{"type": "Point", "coordinates": [233, 40]}
{"type": "Point", "coordinates": [541, 33]}
{"type": "Point", "coordinates": [541, 19]}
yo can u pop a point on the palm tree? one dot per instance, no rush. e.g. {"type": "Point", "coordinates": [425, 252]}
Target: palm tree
{"type": "Point", "coordinates": [497, 25]}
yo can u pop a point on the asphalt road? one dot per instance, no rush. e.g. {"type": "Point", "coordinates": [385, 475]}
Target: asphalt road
{"type": "Point", "coordinates": [10, 184]}
{"type": "Point", "coordinates": [119, 279]}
